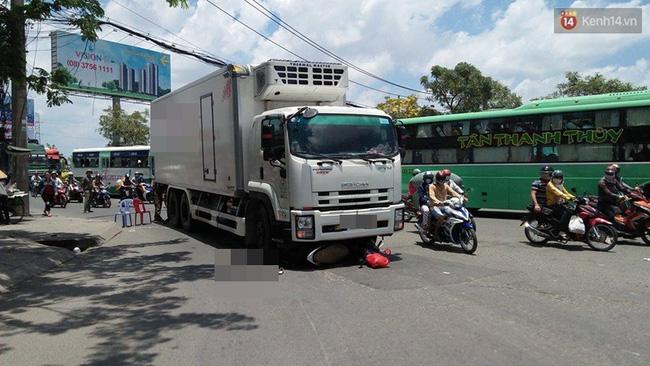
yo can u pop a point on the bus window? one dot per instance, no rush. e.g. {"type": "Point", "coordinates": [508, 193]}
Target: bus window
{"type": "Point", "coordinates": [609, 118]}
{"type": "Point", "coordinates": [637, 152]}
{"type": "Point", "coordinates": [490, 155]}
{"type": "Point", "coordinates": [489, 126]}
{"type": "Point", "coordinates": [417, 156]}
{"type": "Point", "coordinates": [552, 122]}
{"type": "Point", "coordinates": [578, 121]}
{"type": "Point", "coordinates": [424, 131]}
{"type": "Point", "coordinates": [521, 154]}
{"type": "Point", "coordinates": [638, 117]}
{"type": "Point", "coordinates": [587, 152]}
{"type": "Point", "coordinates": [545, 154]}
{"type": "Point", "coordinates": [446, 156]}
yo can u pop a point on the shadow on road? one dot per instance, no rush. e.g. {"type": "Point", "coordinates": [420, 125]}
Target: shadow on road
{"type": "Point", "coordinates": [127, 295]}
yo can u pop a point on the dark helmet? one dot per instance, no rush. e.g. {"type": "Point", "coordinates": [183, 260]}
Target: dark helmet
{"type": "Point", "coordinates": [546, 169]}
{"type": "Point", "coordinates": [441, 177]}
{"type": "Point", "coordinates": [557, 174]}
{"type": "Point", "coordinates": [428, 176]}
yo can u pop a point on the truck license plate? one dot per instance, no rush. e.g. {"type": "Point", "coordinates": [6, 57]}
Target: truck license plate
{"type": "Point", "coordinates": [359, 221]}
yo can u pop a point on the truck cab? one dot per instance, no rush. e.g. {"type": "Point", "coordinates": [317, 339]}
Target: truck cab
{"type": "Point", "coordinates": [330, 172]}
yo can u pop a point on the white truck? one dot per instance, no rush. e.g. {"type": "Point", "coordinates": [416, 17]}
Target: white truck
{"type": "Point", "coordinates": [273, 154]}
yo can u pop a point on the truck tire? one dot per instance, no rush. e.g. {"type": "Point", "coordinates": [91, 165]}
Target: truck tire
{"type": "Point", "coordinates": [173, 217]}
{"type": "Point", "coordinates": [185, 213]}
{"type": "Point", "coordinates": [258, 232]}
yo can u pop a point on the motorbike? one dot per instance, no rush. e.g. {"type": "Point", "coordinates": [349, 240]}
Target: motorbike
{"type": "Point", "coordinates": [147, 195]}
{"type": "Point", "coordinates": [61, 197]}
{"type": "Point", "coordinates": [34, 188]}
{"type": "Point", "coordinates": [75, 192]}
{"type": "Point", "coordinates": [101, 198]}
{"type": "Point", "coordinates": [127, 192]}
{"type": "Point", "coordinates": [410, 210]}
{"type": "Point", "coordinates": [459, 228]}
{"type": "Point", "coordinates": [587, 225]}
{"type": "Point", "coordinates": [634, 221]}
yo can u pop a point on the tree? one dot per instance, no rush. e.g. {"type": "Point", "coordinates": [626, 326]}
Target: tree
{"type": "Point", "coordinates": [85, 15]}
{"type": "Point", "coordinates": [577, 85]}
{"type": "Point", "coordinates": [465, 89]}
{"type": "Point", "coordinates": [397, 108]}
{"type": "Point", "coordinates": [123, 129]}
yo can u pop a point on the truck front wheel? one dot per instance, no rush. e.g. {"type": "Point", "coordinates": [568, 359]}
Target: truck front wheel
{"type": "Point", "coordinates": [173, 217]}
{"type": "Point", "coordinates": [258, 232]}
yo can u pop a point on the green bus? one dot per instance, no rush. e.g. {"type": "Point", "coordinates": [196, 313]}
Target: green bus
{"type": "Point", "coordinates": [37, 158]}
{"type": "Point", "coordinates": [499, 153]}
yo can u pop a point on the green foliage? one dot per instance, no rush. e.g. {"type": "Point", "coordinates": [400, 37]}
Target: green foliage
{"type": "Point", "coordinates": [84, 15]}
{"type": "Point", "coordinates": [123, 129]}
{"type": "Point", "coordinates": [465, 89]}
{"type": "Point", "coordinates": [577, 85]}
{"type": "Point", "coordinates": [402, 107]}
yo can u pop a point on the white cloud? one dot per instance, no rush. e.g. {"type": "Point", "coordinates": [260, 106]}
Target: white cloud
{"type": "Point", "coordinates": [397, 40]}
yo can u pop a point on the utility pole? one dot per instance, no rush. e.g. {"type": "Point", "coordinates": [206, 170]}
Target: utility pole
{"type": "Point", "coordinates": [19, 104]}
{"type": "Point", "coordinates": [116, 108]}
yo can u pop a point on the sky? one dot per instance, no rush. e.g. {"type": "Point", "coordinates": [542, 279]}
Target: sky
{"type": "Point", "coordinates": [511, 41]}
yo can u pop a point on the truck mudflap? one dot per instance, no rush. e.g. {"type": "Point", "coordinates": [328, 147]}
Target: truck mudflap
{"type": "Point", "coordinates": [343, 224]}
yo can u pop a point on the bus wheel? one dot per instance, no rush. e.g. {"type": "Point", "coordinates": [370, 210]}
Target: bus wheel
{"type": "Point", "coordinates": [184, 212]}
{"type": "Point", "coordinates": [173, 218]}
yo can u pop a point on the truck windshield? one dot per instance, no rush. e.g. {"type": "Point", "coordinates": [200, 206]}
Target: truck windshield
{"type": "Point", "coordinates": [336, 135]}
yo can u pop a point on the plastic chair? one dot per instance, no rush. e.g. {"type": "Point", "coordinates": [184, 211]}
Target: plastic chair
{"type": "Point", "coordinates": [138, 205]}
{"type": "Point", "coordinates": [124, 211]}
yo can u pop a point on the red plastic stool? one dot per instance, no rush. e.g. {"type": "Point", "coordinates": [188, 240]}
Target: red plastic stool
{"type": "Point", "coordinates": [140, 210]}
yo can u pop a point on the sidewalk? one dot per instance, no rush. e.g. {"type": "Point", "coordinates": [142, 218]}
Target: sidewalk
{"type": "Point", "coordinates": [23, 254]}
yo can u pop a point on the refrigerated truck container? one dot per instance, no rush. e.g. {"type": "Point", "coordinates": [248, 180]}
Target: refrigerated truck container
{"type": "Point", "coordinates": [272, 153]}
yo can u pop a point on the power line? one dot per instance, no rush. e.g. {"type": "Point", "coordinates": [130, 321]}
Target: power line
{"type": "Point", "coordinates": [280, 22]}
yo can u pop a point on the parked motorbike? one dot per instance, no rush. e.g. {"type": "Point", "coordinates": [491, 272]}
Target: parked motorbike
{"type": "Point", "coordinates": [634, 221]}
{"type": "Point", "coordinates": [587, 225]}
{"type": "Point", "coordinates": [75, 192]}
{"type": "Point", "coordinates": [410, 210]}
{"type": "Point", "coordinates": [61, 197]}
{"type": "Point", "coordinates": [459, 228]}
{"type": "Point", "coordinates": [101, 198]}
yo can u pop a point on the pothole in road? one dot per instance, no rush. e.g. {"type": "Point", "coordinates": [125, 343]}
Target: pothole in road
{"type": "Point", "coordinates": [70, 244]}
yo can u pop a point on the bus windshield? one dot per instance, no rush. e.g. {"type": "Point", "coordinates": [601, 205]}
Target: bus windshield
{"type": "Point", "coordinates": [336, 135]}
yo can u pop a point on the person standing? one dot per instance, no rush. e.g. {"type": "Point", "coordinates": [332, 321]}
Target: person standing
{"type": "Point", "coordinates": [48, 188]}
{"type": "Point", "coordinates": [87, 186]}
{"type": "Point", "coordinates": [4, 196]}
{"type": "Point", "coordinates": [158, 197]}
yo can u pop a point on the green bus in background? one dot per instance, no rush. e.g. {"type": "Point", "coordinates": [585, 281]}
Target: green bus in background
{"type": "Point", "coordinates": [499, 153]}
{"type": "Point", "coordinates": [37, 158]}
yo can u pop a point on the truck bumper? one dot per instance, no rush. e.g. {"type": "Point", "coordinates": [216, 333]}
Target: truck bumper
{"type": "Point", "coordinates": [347, 224]}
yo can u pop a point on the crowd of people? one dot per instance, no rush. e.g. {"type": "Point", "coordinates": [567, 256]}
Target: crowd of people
{"type": "Point", "coordinates": [91, 186]}
{"type": "Point", "coordinates": [549, 191]}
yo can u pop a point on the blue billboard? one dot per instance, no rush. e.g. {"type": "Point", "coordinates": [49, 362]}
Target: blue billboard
{"type": "Point", "coordinates": [111, 68]}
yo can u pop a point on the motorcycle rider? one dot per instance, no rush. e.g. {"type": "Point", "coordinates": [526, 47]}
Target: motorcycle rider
{"type": "Point", "coordinates": [35, 183]}
{"type": "Point", "coordinates": [609, 193]}
{"type": "Point", "coordinates": [98, 186]}
{"type": "Point", "coordinates": [139, 181]}
{"type": "Point", "coordinates": [55, 177]}
{"type": "Point", "coordinates": [556, 195]}
{"type": "Point", "coordinates": [127, 185]}
{"type": "Point", "coordinates": [538, 188]}
{"type": "Point", "coordinates": [623, 187]}
{"type": "Point", "coordinates": [87, 185]}
{"type": "Point", "coordinates": [452, 184]}
{"type": "Point", "coordinates": [411, 186]}
{"type": "Point", "coordinates": [438, 193]}
{"type": "Point", "coordinates": [423, 194]}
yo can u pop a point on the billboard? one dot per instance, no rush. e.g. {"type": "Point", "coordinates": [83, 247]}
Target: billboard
{"type": "Point", "coordinates": [6, 118]}
{"type": "Point", "coordinates": [111, 68]}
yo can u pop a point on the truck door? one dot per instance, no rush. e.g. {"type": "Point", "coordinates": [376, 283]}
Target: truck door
{"type": "Point", "coordinates": [273, 172]}
{"type": "Point", "coordinates": [207, 139]}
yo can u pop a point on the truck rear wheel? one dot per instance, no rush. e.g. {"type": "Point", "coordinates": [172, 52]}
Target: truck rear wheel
{"type": "Point", "coordinates": [184, 212]}
{"type": "Point", "coordinates": [173, 218]}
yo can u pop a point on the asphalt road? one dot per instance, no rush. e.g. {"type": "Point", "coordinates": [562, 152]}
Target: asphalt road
{"type": "Point", "coordinates": [148, 297]}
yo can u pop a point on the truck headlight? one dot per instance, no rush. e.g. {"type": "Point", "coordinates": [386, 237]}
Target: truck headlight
{"type": "Point", "coordinates": [399, 219]}
{"type": "Point", "coordinates": [305, 227]}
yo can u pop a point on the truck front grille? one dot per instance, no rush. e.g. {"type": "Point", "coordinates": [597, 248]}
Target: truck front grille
{"type": "Point", "coordinates": [353, 197]}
